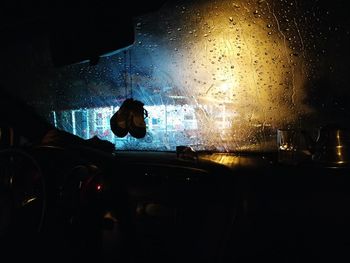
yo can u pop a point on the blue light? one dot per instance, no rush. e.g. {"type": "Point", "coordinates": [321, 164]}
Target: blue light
{"type": "Point", "coordinates": [167, 126]}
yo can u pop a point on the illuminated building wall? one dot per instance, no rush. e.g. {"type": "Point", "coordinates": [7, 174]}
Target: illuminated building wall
{"type": "Point", "coordinates": [167, 126]}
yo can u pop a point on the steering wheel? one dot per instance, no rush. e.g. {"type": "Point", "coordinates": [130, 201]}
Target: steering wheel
{"type": "Point", "coordinates": [22, 194]}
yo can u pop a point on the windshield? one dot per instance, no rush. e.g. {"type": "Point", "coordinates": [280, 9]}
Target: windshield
{"type": "Point", "coordinates": [215, 75]}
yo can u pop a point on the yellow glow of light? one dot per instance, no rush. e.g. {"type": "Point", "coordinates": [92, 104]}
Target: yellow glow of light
{"type": "Point", "coordinates": [231, 160]}
{"type": "Point", "coordinates": [339, 148]}
{"type": "Point", "coordinates": [244, 60]}
{"type": "Point", "coordinates": [224, 87]}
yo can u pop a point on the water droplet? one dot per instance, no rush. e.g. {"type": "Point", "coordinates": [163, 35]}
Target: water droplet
{"type": "Point", "coordinates": [231, 19]}
{"type": "Point", "coordinates": [255, 12]}
{"type": "Point", "coordinates": [268, 26]}
{"type": "Point", "coordinates": [205, 35]}
{"type": "Point", "coordinates": [179, 29]}
{"type": "Point", "coordinates": [190, 32]}
{"type": "Point", "coordinates": [232, 67]}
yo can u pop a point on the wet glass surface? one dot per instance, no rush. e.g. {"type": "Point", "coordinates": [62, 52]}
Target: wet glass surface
{"type": "Point", "coordinates": [215, 75]}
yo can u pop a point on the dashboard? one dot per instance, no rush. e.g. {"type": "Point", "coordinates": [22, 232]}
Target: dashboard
{"type": "Point", "coordinates": [161, 206]}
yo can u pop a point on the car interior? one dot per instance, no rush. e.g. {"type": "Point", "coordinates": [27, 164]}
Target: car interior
{"type": "Point", "coordinates": [175, 131]}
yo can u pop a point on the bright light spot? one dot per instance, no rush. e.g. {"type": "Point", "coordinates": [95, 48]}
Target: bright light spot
{"type": "Point", "coordinates": [28, 201]}
{"type": "Point", "coordinates": [263, 83]}
{"type": "Point", "coordinates": [224, 87]}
